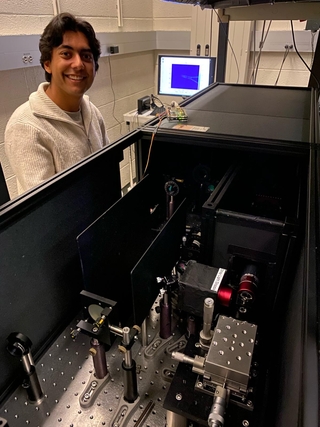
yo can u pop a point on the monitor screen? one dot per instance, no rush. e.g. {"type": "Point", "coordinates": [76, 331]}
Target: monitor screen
{"type": "Point", "coordinates": [184, 75]}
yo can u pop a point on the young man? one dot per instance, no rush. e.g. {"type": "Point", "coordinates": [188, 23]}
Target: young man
{"type": "Point", "coordinates": [58, 126]}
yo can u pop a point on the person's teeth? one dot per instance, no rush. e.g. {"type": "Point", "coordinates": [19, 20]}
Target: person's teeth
{"type": "Point", "coordinates": [76, 77]}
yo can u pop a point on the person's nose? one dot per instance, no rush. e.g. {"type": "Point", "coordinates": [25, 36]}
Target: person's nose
{"type": "Point", "coordinates": [77, 62]}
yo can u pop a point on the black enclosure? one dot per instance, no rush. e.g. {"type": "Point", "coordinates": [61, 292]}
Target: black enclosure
{"type": "Point", "coordinates": [249, 177]}
{"type": "Point", "coordinates": [246, 168]}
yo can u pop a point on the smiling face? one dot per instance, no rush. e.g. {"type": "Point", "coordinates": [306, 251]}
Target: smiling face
{"type": "Point", "coordinates": [72, 70]}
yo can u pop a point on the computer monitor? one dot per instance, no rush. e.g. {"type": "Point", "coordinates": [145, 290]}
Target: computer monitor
{"type": "Point", "coordinates": [184, 75]}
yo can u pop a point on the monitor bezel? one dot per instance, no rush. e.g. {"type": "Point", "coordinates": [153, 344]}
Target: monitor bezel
{"type": "Point", "coordinates": [212, 67]}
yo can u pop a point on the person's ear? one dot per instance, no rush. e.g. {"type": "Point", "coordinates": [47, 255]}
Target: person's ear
{"type": "Point", "coordinates": [47, 66]}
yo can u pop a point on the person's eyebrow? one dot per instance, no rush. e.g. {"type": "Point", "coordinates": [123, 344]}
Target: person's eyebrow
{"type": "Point", "coordinates": [66, 46]}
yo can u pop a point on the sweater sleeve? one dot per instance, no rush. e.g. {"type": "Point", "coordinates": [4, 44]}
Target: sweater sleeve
{"type": "Point", "coordinates": [104, 132]}
{"type": "Point", "coordinates": [97, 113]}
{"type": "Point", "coordinates": [29, 155]}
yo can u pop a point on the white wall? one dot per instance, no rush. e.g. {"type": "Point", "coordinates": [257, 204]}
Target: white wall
{"type": "Point", "coordinates": [171, 16]}
{"type": "Point", "coordinates": [238, 53]}
{"type": "Point", "coordinates": [294, 72]}
{"type": "Point", "coordinates": [121, 79]}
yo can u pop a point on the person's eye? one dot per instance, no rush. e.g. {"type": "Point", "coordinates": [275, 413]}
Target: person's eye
{"type": "Point", "coordinates": [87, 57]}
{"type": "Point", "coordinates": [65, 54]}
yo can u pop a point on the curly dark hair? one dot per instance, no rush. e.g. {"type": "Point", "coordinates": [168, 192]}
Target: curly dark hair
{"type": "Point", "coordinates": [52, 36]}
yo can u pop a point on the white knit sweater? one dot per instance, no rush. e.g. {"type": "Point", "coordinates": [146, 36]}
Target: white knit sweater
{"type": "Point", "coordinates": [42, 140]}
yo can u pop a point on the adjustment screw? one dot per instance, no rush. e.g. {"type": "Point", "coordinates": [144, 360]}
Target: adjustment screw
{"type": "Point", "coordinates": [179, 396]}
{"type": "Point", "coordinates": [245, 423]}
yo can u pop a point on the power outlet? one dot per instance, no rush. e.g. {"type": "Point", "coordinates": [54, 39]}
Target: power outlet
{"type": "Point", "coordinates": [114, 49]}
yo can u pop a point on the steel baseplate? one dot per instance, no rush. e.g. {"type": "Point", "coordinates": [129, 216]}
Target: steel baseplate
{"type": "Point", "coordinates": [66, 371]}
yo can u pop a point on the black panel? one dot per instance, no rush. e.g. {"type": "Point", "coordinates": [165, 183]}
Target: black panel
{"type": "Point", "coordinates": [259, 203]}
{"type": "Point", "coordinates": [39, 263]}
{"type": "Point", "coordinates": [256, 100]}
{"type": "Point", "coordinates": [113, 244]}
{"type": "Point", "coordinates": [275, 114]}
{"type": "Point", "coordinates": [158, 261]}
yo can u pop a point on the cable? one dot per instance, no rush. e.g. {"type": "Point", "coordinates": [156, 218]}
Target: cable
{"type": "Point", "coordinates": [254, 45]}
{"type": "Point", "coordinates": [286, 53]}
{"type": "Point", "coordinates": [153, 104]}
{"type": "Point", "coordinates": [261, 44]}
{"type": "Point", "coordinates": [156, 110]}
{"type": "Point", "coordinates": [114, 96]}
{"type": "Point", "coordinates": [257, 60]}
{"type": "Point", "coordinates": [295, 48]}
{"type": "Point", "coordinates": [151, 143]}
{"type": "Point", "coordinates": [235, 58]}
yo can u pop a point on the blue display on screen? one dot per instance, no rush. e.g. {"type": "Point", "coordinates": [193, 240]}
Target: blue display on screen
{"type": "Point", "coordinates": [185, 76]}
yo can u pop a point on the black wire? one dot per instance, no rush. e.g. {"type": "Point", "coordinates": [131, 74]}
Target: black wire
{"type": "Point", "coordinates": [286, 53]}
{"type": "Point", "coordinates": [254, 48]}
{"type": "Point", "coordinates": [257, 59]}
{"type": "Point", "coordinates": [114, 97]}
{"type": "Point", "coordinates": [151, 144]}
{"type": "Point", "coordinates": [295, 48]}
{"type": "Point", "coordinates": [261, 45]}
{"type": "Point", "coordinates": [153, 98]}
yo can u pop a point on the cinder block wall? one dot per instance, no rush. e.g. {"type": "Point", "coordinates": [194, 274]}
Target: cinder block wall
{"type": "Point", "coordinates": [121, 79]}
{"type": "Point", "coordinates": [171, 16]}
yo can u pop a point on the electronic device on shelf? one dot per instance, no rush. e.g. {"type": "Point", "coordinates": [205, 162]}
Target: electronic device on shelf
{"type": "Point", "coordinates": [183, 75]}
{"type": "Point", "coordinates": [177, 113]}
